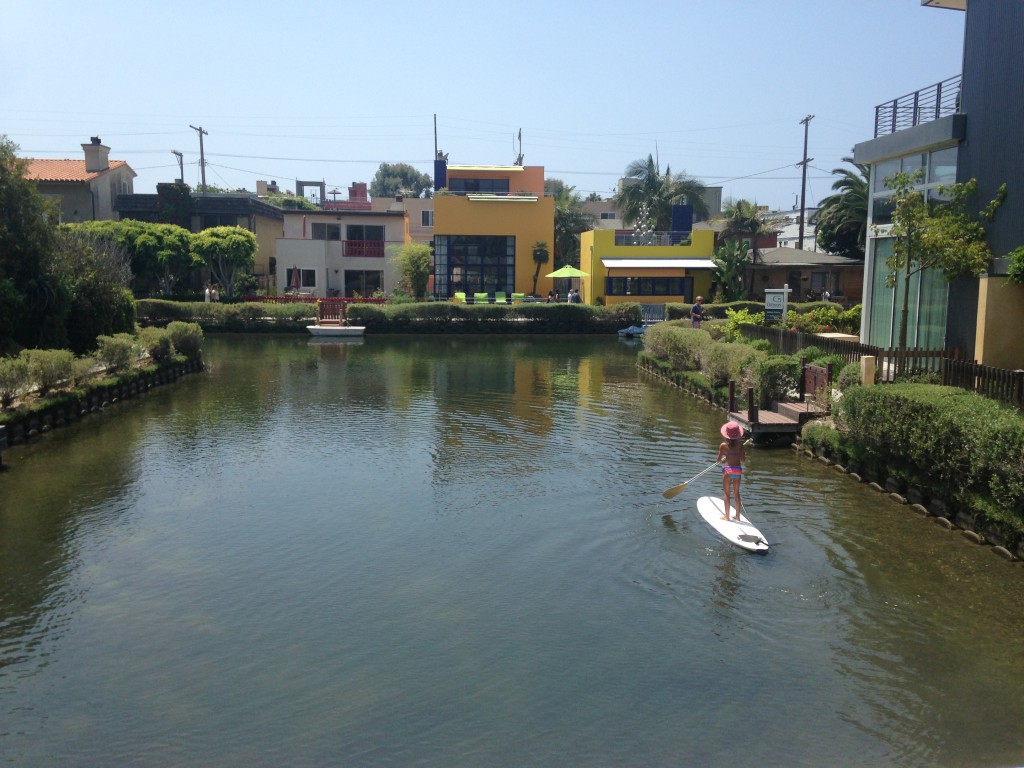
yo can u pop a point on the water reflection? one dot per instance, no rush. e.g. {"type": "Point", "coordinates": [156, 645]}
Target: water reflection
{"type": "Point", "coordinates": [455, 552]}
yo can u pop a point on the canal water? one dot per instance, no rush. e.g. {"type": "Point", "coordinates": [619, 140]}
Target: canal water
{"type": "Point", "coordinates": [455, 552]}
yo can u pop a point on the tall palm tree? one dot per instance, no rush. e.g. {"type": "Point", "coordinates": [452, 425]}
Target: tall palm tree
{"type": "Point", "coordinates": [540, 258]}
{"type": "Point", "coordinates": [842, 219]}
{"type": "Point", "coordinates": [744, 220]}
{"type": "Point", "coordinates": [570, 221]}
{"type": "Point", "coordinates": [645, 183]}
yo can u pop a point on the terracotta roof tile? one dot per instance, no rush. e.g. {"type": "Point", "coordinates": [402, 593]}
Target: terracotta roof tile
{"type": "Point", "coordinates": [66, 170]}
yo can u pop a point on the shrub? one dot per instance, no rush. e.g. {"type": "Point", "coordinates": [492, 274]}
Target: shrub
{"type": "Point", "coordinates": [48, 368]}
{"type": "Point", "coordinates": [116, 352]}
{"type": "Point", "coordinates": [775, 377]}
{"type": "Point", "coordinates": [956, 442]}
{"type": "Point", "coordinates": [83, 370]}
{"type": "Point", "coordinates": [187, 339]}
{"type": "Point", "coordinates": [737, 318]}
{"type": "Point", "coordinates": [724, 362]}
{"type": "Point", "coordinates": [679, 345]}
{"type": "Point", "coordinates": [849, 376]}
{"type": "Point", "coordinates": [157, 343]}
{"type": "Point", "coordinates": [14, 377]}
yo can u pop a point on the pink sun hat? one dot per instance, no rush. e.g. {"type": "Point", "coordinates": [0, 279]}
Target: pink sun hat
{"type": "Point", "coordinates": [732, 431]}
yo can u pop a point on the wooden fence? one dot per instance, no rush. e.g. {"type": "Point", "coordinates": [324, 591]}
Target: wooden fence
{"type": "Point", "coordinates": [995, 383]}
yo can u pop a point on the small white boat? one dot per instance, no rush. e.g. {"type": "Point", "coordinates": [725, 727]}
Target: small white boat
{"type": "Point", "coordinates": [336, 329]}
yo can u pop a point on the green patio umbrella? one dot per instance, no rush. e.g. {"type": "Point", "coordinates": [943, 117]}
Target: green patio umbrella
{"type": "Point", "coordinates": [568, 271]}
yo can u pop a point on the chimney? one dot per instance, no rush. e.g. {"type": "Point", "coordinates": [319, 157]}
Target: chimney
{"type": "Point", "coordinates": [97, 156]}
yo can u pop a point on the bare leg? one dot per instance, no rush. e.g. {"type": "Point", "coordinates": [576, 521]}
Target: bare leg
{"type": "Point", "coordinates": [726, 495]}
{"type": "Point", "coordinates": [739, 501]}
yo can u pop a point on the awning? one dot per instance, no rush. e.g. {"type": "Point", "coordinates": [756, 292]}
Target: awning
{"type": "Point", "coordinates": [613, 263]}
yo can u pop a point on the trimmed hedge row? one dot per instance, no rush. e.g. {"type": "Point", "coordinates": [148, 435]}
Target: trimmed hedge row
{"type": "Point", "coordinates": [425, 317]}
{"type": "Point", "coordinates": [957, 446]}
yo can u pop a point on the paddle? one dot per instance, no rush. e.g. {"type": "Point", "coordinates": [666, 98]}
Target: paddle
{"type": "Point", "coordinates": [675, 490]}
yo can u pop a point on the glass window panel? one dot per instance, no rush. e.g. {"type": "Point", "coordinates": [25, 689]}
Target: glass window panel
{"type": "Point", "coordinates": [880, 330]}
{"type": "Point", "coordinates": [942, 166]}
{"type": "Point", "coordinates": [881, 210]}
{"type": "Point", "coordinates": [912, 163]}
{"type": "Point", "coordinates": [885, 170]}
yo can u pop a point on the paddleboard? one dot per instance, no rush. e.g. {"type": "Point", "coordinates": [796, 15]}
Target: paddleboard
{"type": "Point", "coordinates": [739, 532]}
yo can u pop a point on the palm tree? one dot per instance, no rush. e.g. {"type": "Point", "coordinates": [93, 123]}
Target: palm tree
{"type": "Point", "coordinates": [645, 183]}
{"type": "Point", "coordinates": [570, 221]}
{"type": "Point", "coordinates": [540, 258]}
{"type": "Point", "coordinates": [842, 219]}
{"type": "Point", "coordinates": [744, 220]}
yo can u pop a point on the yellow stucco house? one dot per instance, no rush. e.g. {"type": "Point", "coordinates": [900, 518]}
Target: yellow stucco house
{"type": "Point", "coordinates": [675, 267]}
{"type": "Point", "coordinates": [487, 220]}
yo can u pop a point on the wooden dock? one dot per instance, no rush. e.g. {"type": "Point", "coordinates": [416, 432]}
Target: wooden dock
{"type": "Point", "coordinates": [782, 423]}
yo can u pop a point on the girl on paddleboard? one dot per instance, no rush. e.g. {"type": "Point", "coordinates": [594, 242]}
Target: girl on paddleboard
{"type": "Point", "coordinates": [732, 456]}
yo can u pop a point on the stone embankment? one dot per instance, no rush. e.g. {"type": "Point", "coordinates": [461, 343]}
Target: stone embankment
{"type": "Point", "coordinates": [67, 410]}
{"type": "Point", "coordinates": [916, 500]}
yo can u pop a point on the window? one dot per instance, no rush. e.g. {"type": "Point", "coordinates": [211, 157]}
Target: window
{"type": "Point", "coordinates": [942, 166]}
{"type": "Point", "coordinates": [210, 220]}
{"type": "Point", "coordinates": [364, 240]}
{"type": "Point", "coordinates": [426, 218]}
{"type": "Point", "coordinates": [307, 277]}
{"type": "Point", "coordinates": [609, 215]}
{"type": "Point", "coordinates": [648, 286]}
{"type": "Point", "coordinates": [326, 231]}
{"type": "Point", "coordinates": [363, 282]}
{"type": "Point", "coordinates": [478, 186]}
{"type": "Point", "coordinates": [474, 264]}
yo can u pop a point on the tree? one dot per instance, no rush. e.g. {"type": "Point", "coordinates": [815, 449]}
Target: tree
{"type": "Point", "coordinates": [645, 183]}
{"type": "Point", "coordinates": [225, 250]}
{"type": "Point", "coordinates": [400, 179]}
{"type": "Point", "coordinates": [414, 261]}
{"type": "Point", "coordinates": [540, 258]}
{"type": "Point", "coordinates": [842, 219]}
{"type": "Point", "coordinates": [160, 254]}
{"type": "Point", "coordinates": [96, 271]}
{"type": "Point", "coordinates": [731, 264]}
{"type": "Point", "coordinates": [27, 234]}
{"type": "Point", "coordinates": [940, 235]}
{"type": "Point", "coordinates": [745, 220]}
{"type": "Point", "coordinates": [570, 221]}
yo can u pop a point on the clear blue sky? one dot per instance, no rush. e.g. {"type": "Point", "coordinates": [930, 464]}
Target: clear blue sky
{"type": "Point", "coordinates": [328, 91]}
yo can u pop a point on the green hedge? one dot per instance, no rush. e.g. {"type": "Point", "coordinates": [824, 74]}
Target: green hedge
{"type": "Point", "coordinates": [422, 317]}
{"type": "Point", "coordinates": [963, 448]}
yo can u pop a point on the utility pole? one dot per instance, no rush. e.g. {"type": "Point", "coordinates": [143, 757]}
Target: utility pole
{"type": "Point", "coordinates": [181, 165]}
{"type": "Point", "coordinates": [202, 156]}
{"type": "Point", "coordinates": [803, 182]}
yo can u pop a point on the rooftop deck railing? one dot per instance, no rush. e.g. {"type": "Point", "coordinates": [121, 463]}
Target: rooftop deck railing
{"type": "Point", "coordinates": [630, 237]}
{"type": "Point", "coordinates": [923, 106]}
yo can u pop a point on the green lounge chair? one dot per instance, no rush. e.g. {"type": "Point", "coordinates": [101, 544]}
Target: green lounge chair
{"type": "Point", "coordinates": [517, 298]}
{"type": "Point", "coordinates": [499, 297]}
{"type": "Point", "coordinates": [460, 298]}
{"type": "Point", "coordinates": [479, 298]}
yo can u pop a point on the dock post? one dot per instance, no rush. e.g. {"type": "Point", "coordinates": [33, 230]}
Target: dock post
{"type": "Point", "coordinates": [732, 396]}
{"type": "Point", "coordinates": [751, 407]}
{"type": "Point", "coordinates": [3, 444]}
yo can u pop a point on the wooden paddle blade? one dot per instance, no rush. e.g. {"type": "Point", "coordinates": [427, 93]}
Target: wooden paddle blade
{"type": "Point", "coordinates": [675, 490]}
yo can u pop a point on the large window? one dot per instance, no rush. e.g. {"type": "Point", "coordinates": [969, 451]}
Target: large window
{"type": "Point", "coordinates": [306, 278]}
{"type": "Point", "coordinates": [926, 305]}
{"type": "Point", "coordinates": [648, 286]}
{"type": "Point", "coordinates": [362, 282]}
{"type": "Point", "coordinates": [937, 168]}
{"type": "Point", "coordinates": [326, 231]}
{"type": "Point", "coordinates": [364, 240]}
{"type": "Point", "coordinates": [478, 186]}
{"type": "Point", "coordinates": [474, 264]}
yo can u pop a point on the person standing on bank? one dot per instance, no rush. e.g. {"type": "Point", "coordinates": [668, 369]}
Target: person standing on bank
{"type": "Point", "coordinates": [731, 455]}
{"type": "Point", "coordinates": [697, 312]}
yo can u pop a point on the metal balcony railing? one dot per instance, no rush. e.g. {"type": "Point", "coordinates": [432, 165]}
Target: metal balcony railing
{"type": "Point", "coordinates": [923, 106]}
{"type": "Point", "coordinates": [630, 237]}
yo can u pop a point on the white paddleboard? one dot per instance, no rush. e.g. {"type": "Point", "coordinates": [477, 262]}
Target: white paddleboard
{"type": "Point", "coordinates": [739, 532]}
